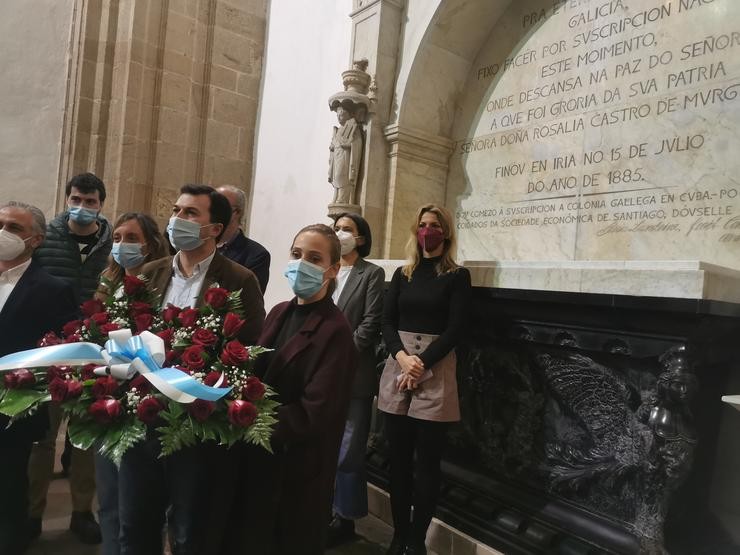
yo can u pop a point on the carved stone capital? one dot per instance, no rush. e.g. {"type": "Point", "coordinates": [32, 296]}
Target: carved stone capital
{"type": "Point", "coordinates": [359, 6]}
{"type": "Point", "coordinates": [418, 146]}
{"type": "Point", "coordinates": [337, 208]}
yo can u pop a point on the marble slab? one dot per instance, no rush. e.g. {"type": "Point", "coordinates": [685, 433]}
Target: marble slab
{"type": "Point", "coordinates": [679, 279]}
{"type": "Point", "coordinates": [602, 130]}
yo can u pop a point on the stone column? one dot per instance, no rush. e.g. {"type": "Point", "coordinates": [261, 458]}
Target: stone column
{"type": "Point", "coordinates": [376, 31]}
{"type": "Point", "coordinates": [164, 92]}
{"type": "Point", "coordinates": [417, 175]}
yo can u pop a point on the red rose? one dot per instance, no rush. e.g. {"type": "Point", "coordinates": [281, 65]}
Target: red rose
{"type": "Point", "coordinates": [148, 410]}
{"type": "Point", "coordinates": [50, 338]}
{"type": "Point", "coordinates": [93, 306]}
{"type": "Point", "coordinates": [61, 372]}
{"type": "Point", "coordinates": [74, 338]}
{"type": "Point", "coordinates": [216, 297]}
{"type": "Point", "coordinates": [170, 313]}
{"type": "Point", "coordinates": [201, 409]}
{"type": "Point", "coordinates": [141, 384]}
{"type": "Point", "coordinates": [103, 387]}
{"type": "Point", "coordinates": [17, 379]}
{"type": "Point", "coordinates": [212, 378]}
{"type": "Point", "coordinates": [232, 325]}
{"type": "Point", "coordinates": [242, 413]}
{"type": "Point", "coordinates": [74, 389]}
{"type": "Point", "coordinates": [58, 390]}
{"type": "Point", "coordinates": [70, 328]}
{"type": "Point", "coordinates": [139, 307]}
{"type": "Point", "coordinates": [133, 285]}
{"type": "Point", "coordinates": [192, 357]}
{"type": "Point", "coordinates": [87, 371]}
{"type": "Point", "coordinates": [167, 336]}
{"type": "Point", "coordinates": [253, 390]}
{"type": "Point", "coordinates": [188, 317]}
{"type": "Point", "coordinates": [171, 358]}
{"type": "Point", "coordinates": [143, 322]}
{"type": "Point", "coordinates": [105, 329]}
{"type": "Point", "coordinates": [105, 411]}
{"type": "Point", "coordinates": [234, 353]}
{"type": "Point", "coordinates": [204, 337]}
{"type": "Point", "coordinates": [99, 318]}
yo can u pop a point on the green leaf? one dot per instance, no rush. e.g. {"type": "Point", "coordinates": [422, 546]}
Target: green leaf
{"type": "Point", "coordinates": [83, 434]}
{"type": "Point", "coordinates": [115, 444]}
{"type": "Point", "coordinates": [16, 401]}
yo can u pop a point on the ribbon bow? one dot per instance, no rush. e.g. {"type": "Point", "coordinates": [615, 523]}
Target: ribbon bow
{"type": "Point", "coordinates": [125, 355]}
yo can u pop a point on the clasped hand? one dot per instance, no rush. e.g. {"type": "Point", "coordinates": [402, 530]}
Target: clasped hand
{"type": "Point", "coordinates": [412, 367]}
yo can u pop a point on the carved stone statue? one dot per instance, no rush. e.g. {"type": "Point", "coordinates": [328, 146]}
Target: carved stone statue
{"type": "Point", "coordinates": [345, 154]}
{"type": "Point", "coordinates": [669, 416]}
{"type": "Point", "coordinates": [346, 150]}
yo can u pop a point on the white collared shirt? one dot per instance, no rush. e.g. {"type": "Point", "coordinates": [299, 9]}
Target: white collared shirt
{"type": "Point", "coordinates": [342, 276]}
{"type": "Point", "coordinates": [9, 279]}
{"type": "Point", "coordinates": [183, 291]}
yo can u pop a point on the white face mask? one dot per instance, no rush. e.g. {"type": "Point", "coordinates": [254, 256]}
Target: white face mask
{"type": "Point", "coordinates": [11, 246]}
{"type": "Point", "coordinates": [347, 241]}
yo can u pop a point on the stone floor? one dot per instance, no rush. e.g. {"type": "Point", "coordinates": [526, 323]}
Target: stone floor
{"type": "Point", "coordinates": [373, 534]}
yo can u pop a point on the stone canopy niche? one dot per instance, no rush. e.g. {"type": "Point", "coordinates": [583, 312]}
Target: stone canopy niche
{"type": "Point", "coordinates": [602, 130]}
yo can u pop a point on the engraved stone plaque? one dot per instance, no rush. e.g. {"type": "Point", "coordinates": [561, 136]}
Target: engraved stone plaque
{"type": "Point", "coordinates": [602, 130]}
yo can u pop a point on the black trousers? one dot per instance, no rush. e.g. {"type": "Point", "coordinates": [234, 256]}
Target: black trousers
{"type": "Point", "coordinates": [152, 490]}
{"type": "Point", "coordinates": [14, 497]}
{"type": "Point", "coordinates": [414, 481]}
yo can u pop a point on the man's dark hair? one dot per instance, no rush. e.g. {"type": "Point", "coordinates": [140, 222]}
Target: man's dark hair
{"type": "Point", "coordinates": [363, 230]}
{"type": "Point", "coordinates": [86, 183]}
{"type": "Point", "coordinates": [219, 208]}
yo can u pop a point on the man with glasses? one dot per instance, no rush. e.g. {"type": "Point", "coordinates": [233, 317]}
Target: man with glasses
{"type": "Point", "coordinates": [236, 246]}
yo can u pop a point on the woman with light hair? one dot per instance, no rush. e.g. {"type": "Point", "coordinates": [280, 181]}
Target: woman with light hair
{"type": "Point", "coordinates": [424, 314]}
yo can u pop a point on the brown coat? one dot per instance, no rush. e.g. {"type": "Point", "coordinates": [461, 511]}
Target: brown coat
{"type": "Point", "coordinates": [284, 499]}
{"type": "Point", "coordinates": [226, 274]}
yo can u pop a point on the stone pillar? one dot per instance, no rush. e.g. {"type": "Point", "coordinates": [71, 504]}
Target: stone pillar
{"type": "Point", "coordinates": [164, 92]}
{"type": "Point", "coordinates": [417, 175]}
{"type": "Point", "coordinates": [376, 31]}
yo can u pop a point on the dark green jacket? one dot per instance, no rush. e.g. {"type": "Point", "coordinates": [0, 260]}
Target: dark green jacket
{"type": "Point", "coordinates": [59, 255]}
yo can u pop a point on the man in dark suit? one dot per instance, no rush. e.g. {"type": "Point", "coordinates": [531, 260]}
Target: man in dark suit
{"type": "Point", "coordinates": [238, 247]}
{"type": "Point", "coordinates": [149, 485]}
{"type": "Point", "coordinates": [31, 304]}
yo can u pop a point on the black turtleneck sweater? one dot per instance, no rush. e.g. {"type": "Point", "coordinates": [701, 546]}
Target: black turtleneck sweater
{"type": "Point", "coordinates": [293, 322]}
{"type": "Point", "coordinates": [428, 303]}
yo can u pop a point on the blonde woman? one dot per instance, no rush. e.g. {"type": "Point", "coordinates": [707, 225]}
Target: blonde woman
{"type": "Point", "coordinates": [423, 318]}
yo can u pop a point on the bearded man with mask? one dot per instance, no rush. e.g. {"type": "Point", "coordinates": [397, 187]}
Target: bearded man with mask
{"type": "Point", "coordinates": [150, 487]}
{"type": "Point", "coordinates": [76, 248]}
{"type": "Point", "coordinates": [31, 303]}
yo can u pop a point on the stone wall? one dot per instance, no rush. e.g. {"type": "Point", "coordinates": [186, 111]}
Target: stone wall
{"type": "Point", "coordinates": [34, 40]}
{"type": "Point", "coordinates": [168, 95]}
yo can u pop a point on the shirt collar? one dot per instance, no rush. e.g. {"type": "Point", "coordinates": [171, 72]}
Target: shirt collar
{"type": "Point", "coordinates": [200, 268]}
{"type": "Point", "coordinates": [15, 273]}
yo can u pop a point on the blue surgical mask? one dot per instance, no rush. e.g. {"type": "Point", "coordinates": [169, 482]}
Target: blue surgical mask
{"type": "Point", "coordinates": [128, 255]}
{"type": "Point", "coordinates": [305, 278]}
{"type": "Point", "coordinates": [82, 215]}
{"type": "Point", "coordinates": [184, 235]}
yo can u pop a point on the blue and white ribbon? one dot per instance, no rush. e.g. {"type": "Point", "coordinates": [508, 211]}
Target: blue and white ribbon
{"type": "Point", "coordinates": [66, 354]}
{"type": "Point", "coordinates": [125, 355]}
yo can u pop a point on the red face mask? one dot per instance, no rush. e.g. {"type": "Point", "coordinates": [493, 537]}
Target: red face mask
{"type": "Point", "coordinates": [429, 238]}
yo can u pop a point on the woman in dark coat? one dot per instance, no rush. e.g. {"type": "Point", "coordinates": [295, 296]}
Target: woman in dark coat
{"type": "Point", "coordinates": [284, 499]}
